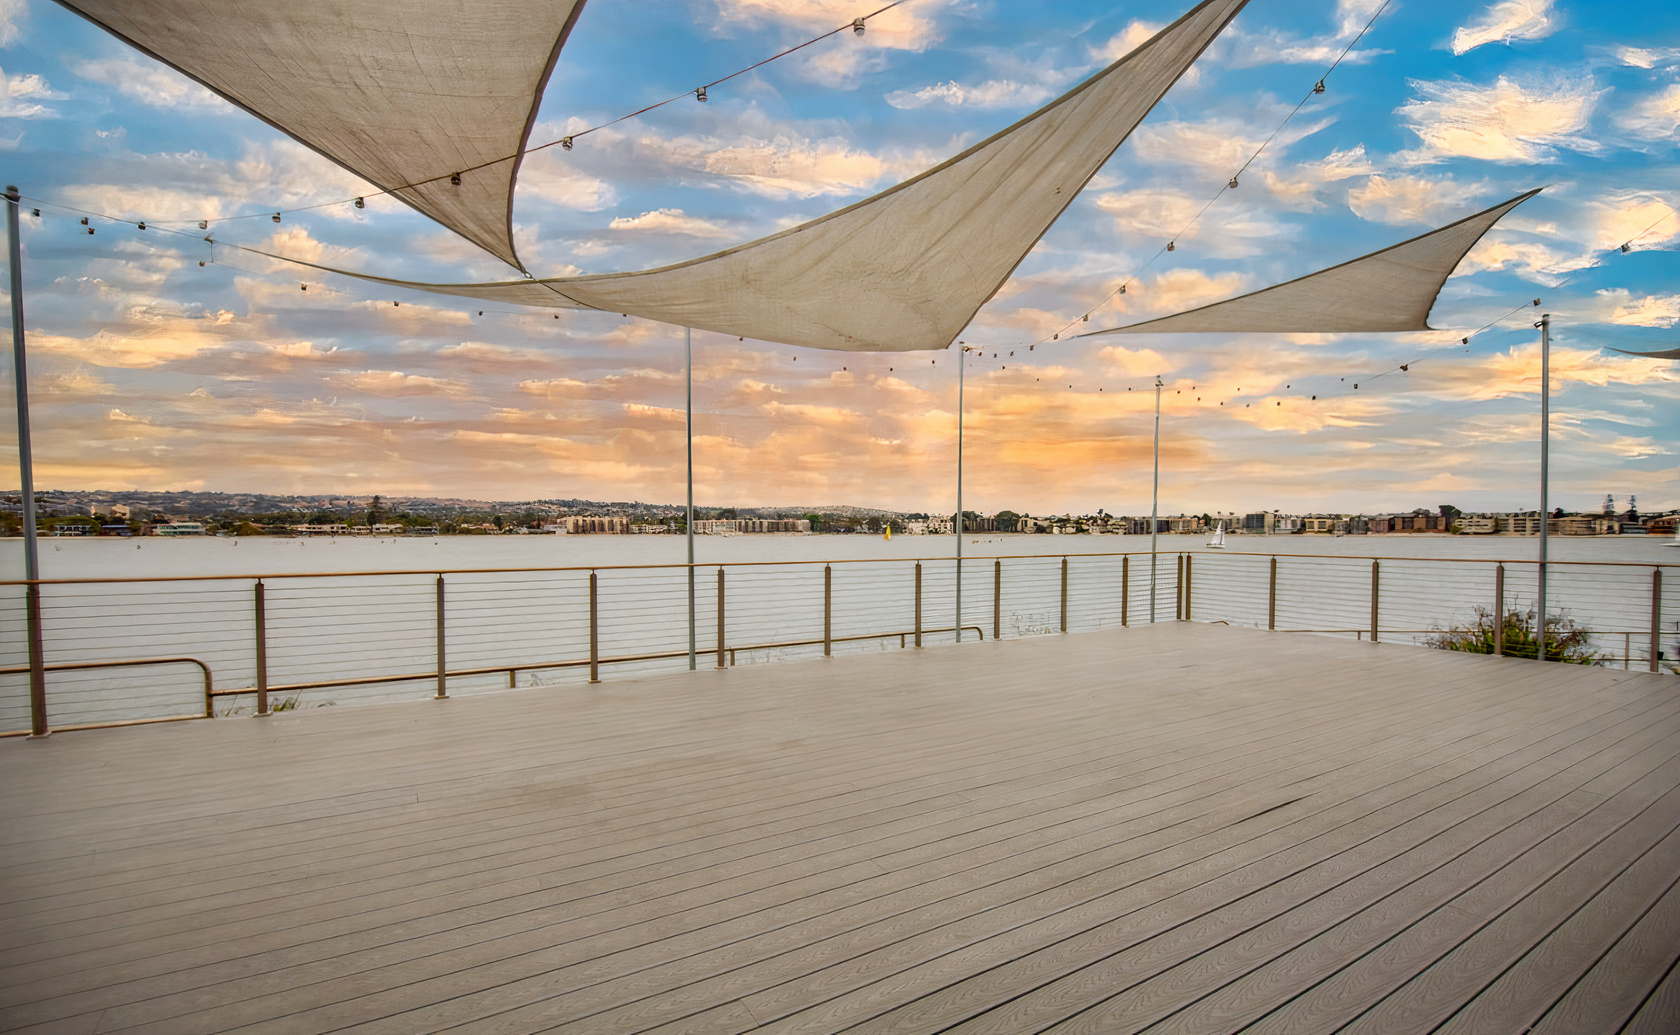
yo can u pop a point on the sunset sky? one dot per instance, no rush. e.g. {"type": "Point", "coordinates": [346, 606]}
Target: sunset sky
{"type": "Point", "coordinates": [151, 371]}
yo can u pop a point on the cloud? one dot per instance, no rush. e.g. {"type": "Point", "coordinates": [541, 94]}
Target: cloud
{"type": "Point", "coordinates": [149, 83]}
{"type": "Point", "coordinates": [1217, 146]}
{"type": "Point", "coordinates": [1134, 35]}
{"type": "Point", "coordinates": [1642, 57]}
{"type": "Point", "coordinates": [1509, 121]}
{"type": "Point", "coordinates": [547, 177]}
{"type": "Point", "coordinates": [1272, 47]}
{"type": "Point", "coordinates": [1637, 217]}
{"type": "Point", "coordinates": [1655, 117]}
{"type": "Point", "coordinates": [393, 384]}
{"type": "Point", "coordinates": [1530, 260]}
{"type": "Point", "coordinates": [12, 12]}
{"type": "Point", "coordinates": [844, 59]}
{"type": "Point", "coordinates": [1160, 215]}
{"type": "Point", "coordinates": [20, 97]}
{"type": "Point", "coordinates": [670, 221]}
{"type": "Point", "coordinates": [1406, 200]}
{"type": "Point", "coordinates": [994, 93]}
{"type": "Point", "coordinates": [1645, 311]}
{"type": "Point", "coordinates": [1506, 21]}
{"type": "Point", "coordinates": [1298, 188]}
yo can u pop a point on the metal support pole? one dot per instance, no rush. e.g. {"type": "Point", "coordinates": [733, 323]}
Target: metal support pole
{"type": "Point", "coordinates": [828, 611]}
{"type": "Point", "coordinates": [1155, 498]}
{"type": "Point", "coordinates": [26, 481]}
{"type": "Point", "coordinates": [594, 633]}
{"type": "Point", "coordinates": [688, 429]}
{"type": "Point", "coordinates": [442, 665]}
{"type": "Point", "coordinates": [1064, 594]}
{"type": "Point", "coordinates": [1656, 616]}
{"type": "Point", "coordinates": [1376, 569]}
{"type": "Point", "coordinates": [1178, 591]}
{"type": "Point", "coordinates": [962, 364]}
{"type": "Point", "coordinates": [1125, 591]}
{"type": "Point", "coordinates": [997, 600]}
{"type": "Point", "coordinates": [720, 647]}
{"type": "Point", "coordinates": [918, 603]}
{"type": "Point", "coordinates": [1545, 463]}
{"type": "Point", "coordinates": [262, 648]}
{"type": "Point", "coordinates": [1271, 600]}
{"type": "Point", "coordinates": [1189, 584]}
{"type": "Point", "coordinates": [1499, 611]}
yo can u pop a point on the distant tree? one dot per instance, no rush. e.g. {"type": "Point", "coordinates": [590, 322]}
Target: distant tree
{"type": "Point", "coordinates": [376, 511]}
{"type": "Point", "coordinates": [246, 528]}
{"type": "Point", "coordinates": [1450, 512]}
{"type": "Point", "coordinates": [1557, 513]}
{"type": "Point", "coordinates": [816, 521]}
{"type": "Point", "coordinates": [1566, 641]}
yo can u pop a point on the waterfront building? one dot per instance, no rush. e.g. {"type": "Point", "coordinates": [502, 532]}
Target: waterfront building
{"type": "Point", "coordinates": [604, 525]}
{"type": "Point", "coordinates": [1521, 523]}
{"type": "Point", "coordinates": [1477, 524]}
{"type": "Point", "coordinates": [175, 528]}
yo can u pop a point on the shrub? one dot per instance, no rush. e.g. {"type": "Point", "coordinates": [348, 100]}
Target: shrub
{"type": "Point", "coordinates": [1566, 641]}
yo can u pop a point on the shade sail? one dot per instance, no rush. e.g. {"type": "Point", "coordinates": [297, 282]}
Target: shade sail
{"type": "Point", "coordinates": [908, 268]}
{"type": "Point", "coordinates": [1388, 290]}
{"type": "Point", "coordinates": [396, 91]}
{"type": "Point", "coordinates": [1664, 354]}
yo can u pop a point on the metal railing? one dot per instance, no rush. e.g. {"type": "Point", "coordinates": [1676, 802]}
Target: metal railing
{"type": "Point", "coordinates": [330, 638]}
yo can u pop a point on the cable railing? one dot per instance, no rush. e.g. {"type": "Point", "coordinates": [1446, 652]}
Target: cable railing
{"type": "Point", "coordinates": [121, 650]}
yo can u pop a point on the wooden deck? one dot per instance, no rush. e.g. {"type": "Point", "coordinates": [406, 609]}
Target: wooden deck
{"type": "Point", "coordinates": [1178, 828]}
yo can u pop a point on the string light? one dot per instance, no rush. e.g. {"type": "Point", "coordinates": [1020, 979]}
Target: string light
{"type": "Point", "coordinates": [700, 95]}
{"type": "Point", "coordinates": [857, 26]}
{"type": "Point", "coordinates": [454, 179]}
{"type": "Point", "coordinates": [359, 203]}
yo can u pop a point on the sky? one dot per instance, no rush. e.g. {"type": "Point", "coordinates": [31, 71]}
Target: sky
{"type": "Point", "coordinates": [150, 370]}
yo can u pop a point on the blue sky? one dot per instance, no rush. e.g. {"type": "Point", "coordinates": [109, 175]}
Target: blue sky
{"type": "Point", "coordinates": [150, 371]}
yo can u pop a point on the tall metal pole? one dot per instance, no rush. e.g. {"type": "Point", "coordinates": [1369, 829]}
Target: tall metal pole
{"type": "Point", "coordinates": [1155, 498]}
{"type": "Point", "coordinates": [962, 363]}
{"type": "Point", "coordinates": [1545, 461]}
{"type": "Point", "coordinates": [688, 426]}
{"type": "Point", "coordinates": [26, 476]}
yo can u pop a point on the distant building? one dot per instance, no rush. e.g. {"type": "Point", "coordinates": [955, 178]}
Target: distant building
{"type": "Point", "coordinates": [1315, 524]}
{"type": "Point", "coordinates": [1520, 524]}
{"type": "Point", "coordinates": [603, 526]}
{"type": "Point", "coordinates": [645, 529]}
{"type": "Point", "coordinates": [177, 528]}
{"type": "Point", "coordinates": [335, 528]}
{"type": "Point", "coordinates": [939, 525]}
{"type": "Point", "coordinates": [1480, 524]}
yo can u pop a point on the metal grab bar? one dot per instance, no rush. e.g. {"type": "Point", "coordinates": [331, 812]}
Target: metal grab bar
{"type": "Point", "coordinates": [72, 666]}
{"type": "Point", "coordinates": [578, 663]}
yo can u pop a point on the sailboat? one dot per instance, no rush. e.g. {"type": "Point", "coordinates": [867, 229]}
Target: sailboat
{"type": "Point", "coordinates": [1218, 540]}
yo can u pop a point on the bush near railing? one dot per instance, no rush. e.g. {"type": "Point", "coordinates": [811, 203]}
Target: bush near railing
{"type": "Point", "coordinates": [1516, 636]}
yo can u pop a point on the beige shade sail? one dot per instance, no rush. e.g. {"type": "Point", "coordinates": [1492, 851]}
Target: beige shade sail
{"type": "Point", "coordinates": [403, 93]}
{"type": "Point", "coordinates": [1389, 290]}
{"type": "Point", "coordinates": [1664, 354]}
{"type": "Point", "coordinates": [908, 268]}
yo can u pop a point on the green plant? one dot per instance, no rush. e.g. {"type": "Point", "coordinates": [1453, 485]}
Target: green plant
{"type": "Point", "coordinates": [1566, 641]}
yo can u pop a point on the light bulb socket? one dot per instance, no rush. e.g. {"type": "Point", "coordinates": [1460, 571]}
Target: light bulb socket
{"type": "Point", "coordinates": [360, 203]}
{"type": "Point", "coordinates": [857, 26]}
{"type": "Point", "coordinates": [140, 225]}
{"type": "Point", "coordinates": [565, 143]}
{"type": "Point", "coordinates": [700, 94]}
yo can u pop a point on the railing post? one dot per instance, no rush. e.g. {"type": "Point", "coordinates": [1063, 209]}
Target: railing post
{"type": "Point", "coordinates": [1271, 600]}
{"type": "Point", "coordinates": [1376, 567]}
{"type": "Point", "coordinates": [1064, 594]}
{"type": "Point", "coordinates": [997, 600]}
{"type": "Point", "coordinates": [1178, 591]}
{"type": "Point", "coordinates": [720, 646]}
{"type": "Point", "coordinates": [828, 611]}
{"type": "Point", "coordinates": [1125, 590]}
{"type": "Point", "coordinates": [918, 603]}
{"type": "Point", "coordinates": [1189, 584]}
{"type": "Point", "coordinates": [594, 633]}
{"type": "Point", "coordinates": [37, 662]}
{"type": "Point", "coordinates": [1656, 616]}
{"type": "Point", "coordinates": [262, 648]}
{"type": "Point", "coordinates": [442, 668]}
{"type": "Point", "coordinates": [1499, 610]}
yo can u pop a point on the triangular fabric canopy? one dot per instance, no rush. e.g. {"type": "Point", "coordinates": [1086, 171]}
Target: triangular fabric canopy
{"type": "Point", "coordinates": [396, 91]}
{"type": "Point", "coordinates": [1664, 354]}
{"type": "Point", "coordinates": [1388, 290]}
{"type": "Point", "coordinates": [908, 268]}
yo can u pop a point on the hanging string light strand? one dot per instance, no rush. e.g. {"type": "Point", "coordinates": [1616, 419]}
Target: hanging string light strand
{"type": "Point", "coordinates": [1229, 185]}
{"type": "Point", "coordinates": [856, 26]}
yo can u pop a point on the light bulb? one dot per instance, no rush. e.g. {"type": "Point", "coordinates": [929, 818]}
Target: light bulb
{"type": "Point", "coordinates": [566, 143]}
{"type": "Point", "coordinates": [303, 287]}
{"type": "Point", "coordinates": [1625, 248]}
{"type": "Point", "coordinates": [700, 95]}
{"type": "Point", "coordinates": [204, 224]}
{"type": "Point", "coordinates": [1318, 87]}
{"type": "Point", "coordinates": [275, 217]}
{"type": "Point", "coordinates": [1233, 183]}
{"type": "Point", "coordinates": [454, 179]}
{"type": "Point", "coordinates": [857, 26]}
{"type": "Point", "coordinates": [140, 225]}
{"type": "Point", "coordinates": [1172, 246]}
{"type": "Point", "coordinates": [360, 203]}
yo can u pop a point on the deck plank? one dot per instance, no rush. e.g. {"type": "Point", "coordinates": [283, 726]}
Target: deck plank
{"type": "Point", "coordinates": [1194, 827]}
